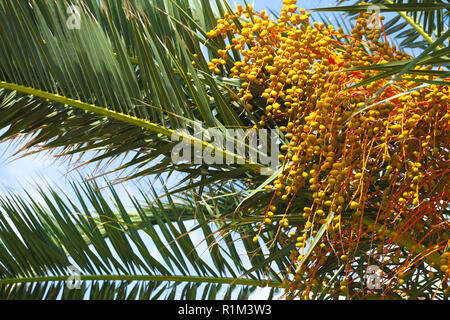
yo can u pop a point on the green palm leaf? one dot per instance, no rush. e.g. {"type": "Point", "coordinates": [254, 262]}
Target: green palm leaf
{"type": "Point", "coordinates": [142, 252]}
{"type": "Point", "coordinates": [417, 22]}
{"type": "Point", "coordinates": [131, 61]}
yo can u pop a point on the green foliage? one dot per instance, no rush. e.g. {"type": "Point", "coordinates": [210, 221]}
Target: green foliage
{"type": "Point", "coordinates": [118, 86]}
{"type": "Point", "coordinates": [144, 251]}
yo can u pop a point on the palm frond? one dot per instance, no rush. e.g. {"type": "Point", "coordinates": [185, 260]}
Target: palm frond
{"type": "Point", "coordinates": [417, 22]}
{"type": "Point", "coordinates": [143, 252]}
{"type": "Point", "coordinates": [131, 60]}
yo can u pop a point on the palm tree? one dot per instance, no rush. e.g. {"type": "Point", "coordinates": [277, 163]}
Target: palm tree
{"type": "Point", "coordinates": [106, 80]}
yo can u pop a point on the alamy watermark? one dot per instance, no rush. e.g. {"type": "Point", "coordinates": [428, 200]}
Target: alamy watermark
{"type": "Point", "coordinates": [227, 146]}
{"type": "Point", "coordinates": [74, 20]}
{"type": "Point", "coordinates": [374, 21]}
{"type": "Point", "coordinates": [74, 281]}
{"type": "Point", "coordinates": [374, 278]}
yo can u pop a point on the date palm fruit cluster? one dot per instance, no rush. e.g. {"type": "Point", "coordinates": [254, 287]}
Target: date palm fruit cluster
{"type": "Point", "coordinates": [378, 176]}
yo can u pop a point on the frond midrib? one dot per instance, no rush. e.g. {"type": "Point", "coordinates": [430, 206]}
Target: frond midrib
{"type": "Point", "coordinates": [133, 120]}
{"type": "Point", "coordinates": [154, 278]}
{"type": "Point", "coordinates": [416, 26]}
